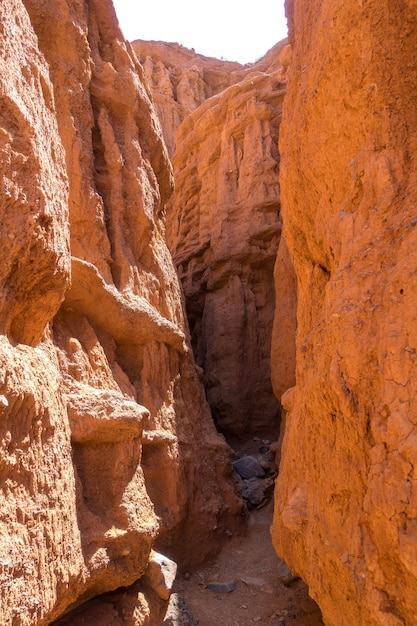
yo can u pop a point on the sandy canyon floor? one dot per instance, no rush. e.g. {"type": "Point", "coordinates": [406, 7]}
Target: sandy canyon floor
{"type": "Point", "coordinates": [259, 597]}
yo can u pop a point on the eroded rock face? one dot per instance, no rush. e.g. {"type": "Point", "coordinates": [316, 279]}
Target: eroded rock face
{"type": "Point", "coordinates": [107, 446]}
{"type": "Point", "coordinates": [345, 496]}
{"type": "Point", "coordinates": [34, 209]}
{"type": "Point", "coordinates": [223, 222]}
{"type": "Point", "coordinates": [223, 229]}
{"type": "Point", "coordinates": [181, 80]}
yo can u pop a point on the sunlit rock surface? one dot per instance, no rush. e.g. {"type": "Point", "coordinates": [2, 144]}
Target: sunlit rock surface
{"type": "Point", "coordinates": [346, 498]}
{"type": "Point", "coordinates": [181, 80]}
{"type": "Point", "coordinates": [107, 444]}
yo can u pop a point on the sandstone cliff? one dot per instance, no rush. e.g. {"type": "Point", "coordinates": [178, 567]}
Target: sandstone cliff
{"type": "Point", "coordinates": [107, 445]}
{"type": "Point", "coordinates": [346, 495]}
{"type": "Point", "coordinates": [181, 80]}
{"type": "Point", "coordinates": [223, 222]}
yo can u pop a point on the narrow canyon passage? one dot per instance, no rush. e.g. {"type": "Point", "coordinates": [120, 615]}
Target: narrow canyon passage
{"type": "Point", "coordinates": [182, 255]}
{"type": "Point", "coordinates": [247, 583]}
{"type": "Point", "coordinates": [221, 124]}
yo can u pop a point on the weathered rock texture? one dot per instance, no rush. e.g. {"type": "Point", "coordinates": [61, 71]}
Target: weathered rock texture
{"type": "Point", "coordinates": [346, 497]}
{"type": "Point", "coordinates": [181, 80]}
{"type": "Point", "coordinates": [223, 222]}
{"type": "Point", "coordinates": [107, 444]}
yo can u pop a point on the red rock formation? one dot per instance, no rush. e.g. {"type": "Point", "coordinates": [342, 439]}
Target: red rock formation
{"type": "Point", "coordinates": [346, 497]}
{"type": "Point", "coordinates": [107, 444]}
{"type": "Point", "coordinates": [181, 80]}
{"type": "Point", "coordinates": [223, 222]}
{"type": "Point", "coordinates": [284, 322]}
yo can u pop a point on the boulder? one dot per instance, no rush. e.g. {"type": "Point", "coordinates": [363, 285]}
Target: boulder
{"type": "Point", "coordinates": [160, 574]}
{"type": "Point", "coordinates": [248, 467]}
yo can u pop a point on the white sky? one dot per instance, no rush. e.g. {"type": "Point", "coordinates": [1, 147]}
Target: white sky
{"type": "Point", "coordinates": [235, 30]}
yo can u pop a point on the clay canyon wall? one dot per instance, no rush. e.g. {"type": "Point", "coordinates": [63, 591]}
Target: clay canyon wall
{"type": "Point", "coordinates": [346, 497]}
{"type": "Point", "coordinates": [107, 445]}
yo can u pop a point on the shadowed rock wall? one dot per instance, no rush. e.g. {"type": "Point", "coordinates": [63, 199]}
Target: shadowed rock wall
{"type": "Point", "coordinates": [346, 495]}
{"type": "Point", "coordinates": [107, 444]}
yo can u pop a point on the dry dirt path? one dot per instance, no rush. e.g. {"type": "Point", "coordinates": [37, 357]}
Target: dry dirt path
{"type": "Point", "coordinates": [259, 597]}
{"type": "Point", "coordinates": [251, 562]}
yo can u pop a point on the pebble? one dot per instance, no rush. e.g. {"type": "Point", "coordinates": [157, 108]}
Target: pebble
{"type": "Point", "coordinates": [257, 583]}
{"type": "Point", "coordinates": [221, 587]}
